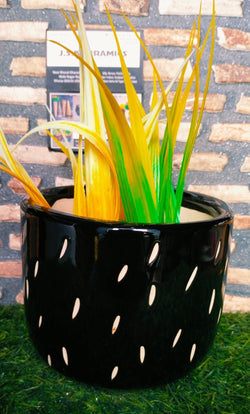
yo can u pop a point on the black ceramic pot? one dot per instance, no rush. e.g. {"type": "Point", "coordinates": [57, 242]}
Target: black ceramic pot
{"type": "Point", "coordinates": [124, 305]}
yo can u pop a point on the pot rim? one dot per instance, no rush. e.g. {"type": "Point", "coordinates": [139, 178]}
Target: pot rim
{"type": "Point", "coordinates": [219, 211]}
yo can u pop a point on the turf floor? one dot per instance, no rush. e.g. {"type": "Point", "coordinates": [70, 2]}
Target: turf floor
{"type": "Point", "coordinates": [219, 385]}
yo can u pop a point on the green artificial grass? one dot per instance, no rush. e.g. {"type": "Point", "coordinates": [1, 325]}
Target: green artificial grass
{"type": "Point", "coordinates": [219, 385]}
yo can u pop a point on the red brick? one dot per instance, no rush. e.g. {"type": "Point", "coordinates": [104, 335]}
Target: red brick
{"type": "Point", "coordinates": [246, 165]}
{"type": "Point", "coordinates": [166, 67]}
{"type": "Point", "coordinates": [3, 3]}
{"type": "Point", "coordinates": [23, 31]}
{"type": "Point", "coordinates": [14, 125]}
{"type": "Point", "coordinates": [61, 181]}
{"type": "Point", "coordinates": [207, 161]}
{"type": "Point", "coordinates": [22, 95]}
{"type": "Point", "coordinates": [230, 132]}
{"type": "Point", "coordinates": [214, 102]}
{"type": "Point", "coordinates": [167, 37]}
{"type": "Point", "coordinates": [241, 222]}
{"type": "Point", "coordinates": [17, 187]}
{"type": "Point", "coordinates": [237, 275]}
{"type": "Point", "coordinates": [38, 155]}
{"type": "Point", "coordinates": [233, 246]}
{"type": "Point", "coordinates": [15, 241]}
{"type": "Point", "coordinates": [236, 304]}
{"type": "Point", "coordinates": [227, 73]}
{"type": "Point", "coordinates": [42, 133]}
{"type": "Point", "coordinates": [10, 269]}
{"type": "Point", "coordinates": [243, 106]}
{"type": "Point", "coordinates": [233, 39]}
{"type": "Point", "coordinates": [9, 213]}
{"type": "Point", "coordinates": [185, 7]}
{"type": "Point", "coordinates": [95, 26]}
{"type": "Point", "coordinates": [20, 298]}
{"type": "Point", "coordinates": [227, 193]}
{"type": "Point", "coordinates": [183, 131]}
{"type": "Point", "coordinates": [49, 4]}
{"type": "Point", "coordinates": [28, 66]}
{"type": "Point", "coordinates": [132, 7]}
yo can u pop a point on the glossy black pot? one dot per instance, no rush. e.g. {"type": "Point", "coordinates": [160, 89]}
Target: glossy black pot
{"type": "Point", "coordinates": [124, 305]}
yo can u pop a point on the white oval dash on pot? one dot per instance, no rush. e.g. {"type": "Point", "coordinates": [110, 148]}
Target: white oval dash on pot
{"type": "Point", "coordinates": [152, 295]}
{"type": "Point", "coordinates": [36, 268]}
{"type": "Point", "coordinates": [193, 349]}
{"type": "Point", "coordinates": [76, 308]}
{"type": "Point", "coordinates": [219, 315]}
{"type": "Point", "coordinates": [191, 279]}
{"type": "Point", "coordinates": [177, 337]}
{"type": "Point", "coordinates": [142, 354]}
{"type": "Point", "coordinates": [27, 288]}
{"type": "Point", "coordinates": [64, 248]}
{"type": "Point", "coordinates": [115, 324]}
{"type": "Point", "coordinates": [114, 373]}
{"type": "Point", "coordinates": [40, 321]}
{"type": "Point", "coordinates": [65, 355]}
{"type": "Point", "coordinates": [211, 301]}
{"type": "Point", "coordinates": [154, 253]}
{"type": "Point", "coordinates": [217, 250]}
{"type": "Point", "coordinates": [122, 273]}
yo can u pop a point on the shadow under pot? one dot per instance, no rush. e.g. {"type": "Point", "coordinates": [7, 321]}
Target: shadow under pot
{"type": "Point", "coordinates": [124, 305]}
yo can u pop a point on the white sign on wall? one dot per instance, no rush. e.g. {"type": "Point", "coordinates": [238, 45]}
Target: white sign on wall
{"type": "Point", "coordinates": [63, 71]}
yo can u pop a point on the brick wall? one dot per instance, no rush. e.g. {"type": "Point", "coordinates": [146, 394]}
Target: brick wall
{"type": "Point", "coordinates": [220, 165]}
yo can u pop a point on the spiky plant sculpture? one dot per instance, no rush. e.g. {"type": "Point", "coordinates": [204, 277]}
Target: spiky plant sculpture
{"type": "Point", "coordinates": [130, 177]}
